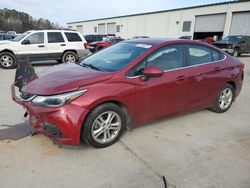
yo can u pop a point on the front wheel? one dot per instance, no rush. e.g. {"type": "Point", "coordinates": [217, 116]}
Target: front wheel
{"type": "Point", "coordinates": [224, 99]}
{"type": "Point", "coordinates": [104, 125]}
{"type": "Point", "coordinates": [236, 53]}
{"type": "Point", "coordinates": [7, 60]}
{"type": "Point", "coordinates": [69, 57]}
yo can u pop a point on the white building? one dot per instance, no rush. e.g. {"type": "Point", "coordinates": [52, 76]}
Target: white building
{"type": "Point", "coordinates": [219, 19]}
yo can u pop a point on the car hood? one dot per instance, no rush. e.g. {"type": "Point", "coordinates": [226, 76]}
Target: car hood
{"type": "Point", "coordinates": [64, 78]}
{"type": "Point", "coordinates": [6, 42]}
{"type": "Point", "coordinates": [225, 42]}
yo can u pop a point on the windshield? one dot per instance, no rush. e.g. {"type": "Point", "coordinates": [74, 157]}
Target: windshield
{"type": "Point", "coordinates": [115, 57]}
{"type": "Point", "coordinates": [233, 38]}
{"type": "Point", "coordinates": [20, 37]}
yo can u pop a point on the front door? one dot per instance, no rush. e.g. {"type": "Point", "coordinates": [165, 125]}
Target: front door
{"type": "Point", "coordinates": [33, 46]}
{"type": "Point", "coordinates": [164, 95]}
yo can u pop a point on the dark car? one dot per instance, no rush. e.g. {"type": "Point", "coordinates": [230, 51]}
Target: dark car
{"type": "Point", "coordinates": [94, 38]}
{"type": "Point", "coordinates": [128, 84]}
{"type": "Point", "coordinates": [234, 44]}
{"type": "Point", "coordinates": [106, 42]}
{"type": "Point", "coordinates": [4, 36]}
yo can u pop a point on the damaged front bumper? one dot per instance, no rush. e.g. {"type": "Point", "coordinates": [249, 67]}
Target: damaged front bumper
{"type": "Point", "coordinates": [61, 124]}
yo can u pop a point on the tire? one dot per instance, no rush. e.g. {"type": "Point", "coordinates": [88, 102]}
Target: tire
{"type": "Point", "coordinates": [224, 99]}
{"type": "Point", "coordinates": [69, 57]}
{"type": "Point", "coordinates": [7, 60]}
{"type": "Point", "coordinates": [96, 125]}
{"type": "Point", "coordinates": [236, 53]}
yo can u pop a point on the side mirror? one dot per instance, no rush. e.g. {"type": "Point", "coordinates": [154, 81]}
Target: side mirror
{"type": "Point", "coordinates": [152, 72]}
{"type": "Point", "coordinates": [26, 42]}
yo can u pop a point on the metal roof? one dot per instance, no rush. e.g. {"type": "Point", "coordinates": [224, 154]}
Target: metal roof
{"type": "Point", "coordinates": [162, 11]}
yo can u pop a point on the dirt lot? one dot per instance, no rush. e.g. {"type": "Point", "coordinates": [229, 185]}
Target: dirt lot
{"type": "Point", "coordinates": [201, 149]}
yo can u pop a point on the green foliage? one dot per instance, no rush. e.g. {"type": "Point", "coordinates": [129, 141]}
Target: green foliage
{"type": "Point", "coordinates": [12, 20]}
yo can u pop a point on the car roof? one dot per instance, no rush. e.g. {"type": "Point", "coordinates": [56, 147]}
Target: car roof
{"type": "Point", "coordinates": [53, 30]}
{"type": "Point", "coordinates": [151, 41]}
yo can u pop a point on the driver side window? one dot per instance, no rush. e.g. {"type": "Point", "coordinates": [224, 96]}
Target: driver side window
{"type": "Point", "coordinates": [166, 58]}
{"type": "Point", "coordinates": [36, 38]}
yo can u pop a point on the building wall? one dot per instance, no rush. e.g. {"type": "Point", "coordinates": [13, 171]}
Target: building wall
{"type": "Point", "coordinates": [164, 24]}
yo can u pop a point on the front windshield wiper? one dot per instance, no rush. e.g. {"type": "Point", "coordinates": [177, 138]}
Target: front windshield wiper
{"type": "Point", "coordinates": [90, 66]}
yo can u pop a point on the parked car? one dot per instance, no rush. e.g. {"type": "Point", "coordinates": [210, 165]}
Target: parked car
{"type": "Point", "coordinates": [186, 37]}
{"type": "Point", "coordinates": [106, 42]}
{"type": "Point", "coordinates": [61, 45]}
{"type": "Point", "coordinates": [234, 44]}
{"type": "Point", "coordinates": [94, 38]}
{"type": "Point", "coordinates": [128, 84]}
{"type": "Point", "coordinates": [4, 36]}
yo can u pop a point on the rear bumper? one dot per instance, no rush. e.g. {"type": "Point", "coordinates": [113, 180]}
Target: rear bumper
{"type": "Point", "coordinates": [82, 53]}
{"type": "Point", "coordinates": [61, 124]}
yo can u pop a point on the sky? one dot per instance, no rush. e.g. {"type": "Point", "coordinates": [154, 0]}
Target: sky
{"type": "Point", "coordinates": [64, 11]}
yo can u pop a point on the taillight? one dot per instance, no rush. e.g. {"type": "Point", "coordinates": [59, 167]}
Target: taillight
{"type": "Point", "coordinates": [86, 45]}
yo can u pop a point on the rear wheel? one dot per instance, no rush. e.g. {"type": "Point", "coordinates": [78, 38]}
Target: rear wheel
{"type": "Point", "coordinates": [104, 125]}
{"type": "Point", "coordinates": [7, 60]}
{"type": "Point", "coordinates": [69, 57]}
{"type": "Point", "coordinates": [224, 99]}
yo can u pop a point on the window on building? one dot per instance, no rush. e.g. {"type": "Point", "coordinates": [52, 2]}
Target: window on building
{"type": "Point", "coordinates": [55, 37]}
{"type": "Point", "coordinates": [73, 37]}
{"type": "Point", "coordinates": [186, 26]}
{"type": "Point", "coordinates": [95, 29]}
{"type": "Point", "coordinates": [118, 28]}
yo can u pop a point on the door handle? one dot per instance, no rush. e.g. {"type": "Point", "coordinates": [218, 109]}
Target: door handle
{"type": "Point", "coordinates": [180, 78]}
{"type": "Point", "coordinates": [41, 46]}
{"type": "Point", "coordinates": [217, 68]}
{"type": "Point", "coordinates": [62, 44]}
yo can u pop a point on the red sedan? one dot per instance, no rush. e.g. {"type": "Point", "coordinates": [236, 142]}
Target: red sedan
{"type": "Point", "coordinates": [128, 84]}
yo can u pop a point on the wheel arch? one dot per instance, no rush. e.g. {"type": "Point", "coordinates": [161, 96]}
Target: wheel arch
{"type": "Point", "coordinates": [7, 50]}
{"type": "Point", "coordinates": [124, 108]}
{"type": "Point", "coordinates": [70, 50]}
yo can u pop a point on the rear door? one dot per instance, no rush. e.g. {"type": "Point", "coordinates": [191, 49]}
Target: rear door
{"type": "Point", "coordinates": [55, 45]}
{"type": "Point", "coordinates": [205, 75]}
{"type": "Point", "coordinates": [164, 95]}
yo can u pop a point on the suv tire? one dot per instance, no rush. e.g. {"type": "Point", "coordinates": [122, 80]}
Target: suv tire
{"type": "Point", "coordinates": [7, 60]}
{"type": "Point", "coordinates": [69, 57]}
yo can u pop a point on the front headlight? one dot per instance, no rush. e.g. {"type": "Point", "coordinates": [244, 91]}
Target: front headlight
{"type": "Point", "coordinates": [57, 100]}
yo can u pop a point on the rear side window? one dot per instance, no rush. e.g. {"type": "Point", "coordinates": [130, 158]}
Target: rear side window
{"type": "Point", "coordinates": [55, 37]}
{"type": "Point", "coordinates": [199, 54]}
{"type": "Point", "coordinates": [73, 37]}
{"type": "Point", "coordinates": [217, 55]}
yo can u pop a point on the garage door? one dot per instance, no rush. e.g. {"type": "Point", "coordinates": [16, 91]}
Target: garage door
{"type": "Point", "coordinates": [111, 28]}
{"type": "Point", "coordinates": [210, 23]}
{"type": "Point", "coordinates": [240, 24]}
{"type": "Point", "coordinates": [101, 29]}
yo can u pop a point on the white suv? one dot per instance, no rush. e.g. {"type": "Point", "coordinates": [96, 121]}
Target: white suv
{"type": "Point", "coordinates": [62, 45]}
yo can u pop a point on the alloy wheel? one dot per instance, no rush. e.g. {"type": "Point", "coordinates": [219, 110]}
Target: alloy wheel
{"type": "Point", "coordinates": [70, 58]}
{"type": "Point", "coordinates": [106, 127]}
{"type": "Point", "coordinates": [6, 61]}
{"type": "Point", "coordinates": [226, 98]}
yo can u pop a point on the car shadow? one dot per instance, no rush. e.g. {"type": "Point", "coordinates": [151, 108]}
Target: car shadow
{"type": "Point", "coordinates": [15, 132]}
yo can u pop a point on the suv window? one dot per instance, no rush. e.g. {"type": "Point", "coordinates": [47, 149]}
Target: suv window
{"type": "Point", "coordinates": [36, 38]}
{"type": "Point", "coordinates": [199, 54]}
{"type": "Point", "coordinates": [55, 37]}
{"type": "Point", "coordinates": [73, 37]}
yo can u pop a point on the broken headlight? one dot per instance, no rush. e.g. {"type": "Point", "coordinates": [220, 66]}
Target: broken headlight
{"type": "Point", "coordinates": [57, 100]}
